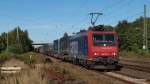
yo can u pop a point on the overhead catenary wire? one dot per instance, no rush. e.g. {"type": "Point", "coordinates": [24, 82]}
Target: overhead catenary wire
{"type": "Point", "coordinates": [128, 17]}
{"type": "Point", "coordinates": [80, 11]}
{"type": "Point", "coordinates": [109, 8]}
{"type": "Point", "coordinates": [113, 5]}
{"type": "Point", "coordinates": [86, 17]}
{"type": "Point", "coordinates": [122, 5]}
{"type": "Point", "coordinates": [122, 13]}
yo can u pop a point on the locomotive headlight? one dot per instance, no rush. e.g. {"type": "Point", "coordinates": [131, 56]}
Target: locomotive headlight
{"type": "Point", "coordinates": [114, 54]}
{"type": "Point", "coordinates": [95, 53]}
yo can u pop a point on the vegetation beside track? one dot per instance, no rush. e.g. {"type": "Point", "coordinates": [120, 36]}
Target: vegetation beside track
{"type": "Point", "coordinates": [14, 44]}
{"type": "Point", "coordinates": [139, 56]}
{"type": "Point", "coordinates": [131, 34]}
{"type": "Point", "coordinates": [16, 41]}
{"type": "Point", "coordinates": [131, 39]}
{"type": "Point", "coordinates": [52, 72]}
{"type": "Point", "coordinates": [28, 58]}
{"type": "Point", "coordinates": [35, 70]}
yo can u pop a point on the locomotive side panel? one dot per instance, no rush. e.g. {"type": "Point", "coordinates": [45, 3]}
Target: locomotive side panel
{"type": "Point", "coordinates": [79, 47]}
{"type": "Point", "coordinates": [83, 47]}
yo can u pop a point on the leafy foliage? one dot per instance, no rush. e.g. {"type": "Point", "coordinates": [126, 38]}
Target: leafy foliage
{"type": "Point", "coordinates": [16, 45]}
{"type": "Point", "coordinates": [5, 56]}
{"type": "Point", "coordinates": [131, 34]}
{"type": "Point", "coordinates": [28, 58]}
{"type": "Point", "coordinates": [31, 58]}
{"type": "Point", "coordinates": [16, 48]}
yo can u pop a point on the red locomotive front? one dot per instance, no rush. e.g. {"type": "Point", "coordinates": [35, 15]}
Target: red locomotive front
{"type": "Point", "coordinates": [103, 49]}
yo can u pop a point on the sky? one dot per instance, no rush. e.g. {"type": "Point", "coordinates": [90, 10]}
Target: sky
{"type": "Point", "coordinates": [47, 20]}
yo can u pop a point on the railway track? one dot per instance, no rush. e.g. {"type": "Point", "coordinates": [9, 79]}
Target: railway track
{"type": "Point", "coordinates": [123, 77]}
{"type": "Point", "coordinates": [127, 78]}
{"type": "Point", "coordinates": [136, 66]}
{"type": "Point", "coordinates": [139, 68]}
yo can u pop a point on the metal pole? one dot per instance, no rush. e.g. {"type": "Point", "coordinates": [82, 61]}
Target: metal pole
{"type": "Point", "coordinates": [7, 41]}
{"type": "Point", "coordinates": [18, 39]}
{"type": "Point", "coordinates": [145, 46]}
{"type": "Point", "coordinates": [146, 41]}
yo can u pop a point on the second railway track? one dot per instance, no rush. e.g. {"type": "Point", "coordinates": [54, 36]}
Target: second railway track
{"type": "Point", "coordinates": [136, 67]}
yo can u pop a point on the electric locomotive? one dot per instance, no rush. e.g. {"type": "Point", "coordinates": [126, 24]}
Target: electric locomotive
{"type": "Point", "coordinates": [94, 48]}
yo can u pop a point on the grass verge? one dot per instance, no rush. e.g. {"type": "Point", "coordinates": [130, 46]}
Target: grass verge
{"type": "Point", "coordinates": [139, 56]}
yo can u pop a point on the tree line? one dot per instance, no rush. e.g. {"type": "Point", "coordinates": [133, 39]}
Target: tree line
{"type": "Point", "coordinates": [131, 34]}
{"type": "Point", "coordinates": [10, 41]}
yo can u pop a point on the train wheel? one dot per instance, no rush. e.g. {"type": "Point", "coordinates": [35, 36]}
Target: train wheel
{"type": "Point", "coordinates": [118, 67]}
{"type": "Point", "coordinates": [63, 59]}
{"type": "Point", "coordinates": [74, 61]}
{"type": "Point", "coordinates": [86, 65]}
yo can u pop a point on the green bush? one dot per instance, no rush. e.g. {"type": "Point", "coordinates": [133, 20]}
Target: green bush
{"type": "Point", "coordinates": [16, 48]}
{"type": "Point", "coordinates": [5, 56]}
{"type": "Point", "coordinates": [130, 54]}
{"type": "Point", "coordinates": [28, 58]}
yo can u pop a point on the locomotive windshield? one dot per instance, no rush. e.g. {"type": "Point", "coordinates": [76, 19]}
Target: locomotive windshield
{"type": "Point", "coordinates": [103, 39]}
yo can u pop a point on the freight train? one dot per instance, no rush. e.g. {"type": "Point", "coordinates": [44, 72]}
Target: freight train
{"type": "Point", "coordinates": [94, 48]}
{"type": "Point", "coordinates": [46, 49]}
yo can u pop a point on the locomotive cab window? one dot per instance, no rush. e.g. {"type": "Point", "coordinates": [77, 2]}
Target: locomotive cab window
{"type": "Point", "coordinates": [103, 39]}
